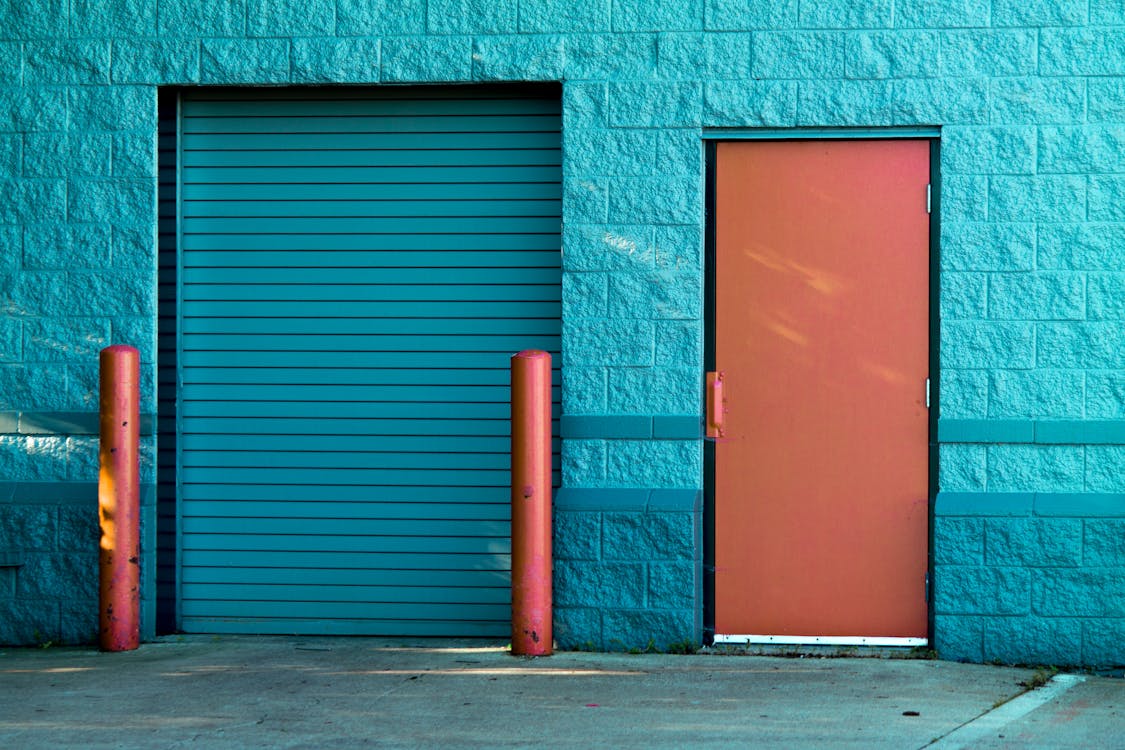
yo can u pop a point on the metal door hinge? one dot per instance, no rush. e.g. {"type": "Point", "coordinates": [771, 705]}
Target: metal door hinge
{"type": "Point", "coordinates": [927, 393]}
{"type": "Point", "coordinates": [929, 189]}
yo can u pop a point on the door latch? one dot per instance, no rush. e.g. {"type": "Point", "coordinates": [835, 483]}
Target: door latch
{"type": "Point", "coordinates": [715, 405]}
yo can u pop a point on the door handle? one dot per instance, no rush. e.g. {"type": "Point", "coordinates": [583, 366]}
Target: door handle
{"type": "Point", "coordinates": [715, 405]}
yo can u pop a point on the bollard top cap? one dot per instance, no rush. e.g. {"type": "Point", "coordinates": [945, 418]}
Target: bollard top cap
{"type": "Point", "coordinates": [120, 349]}
{"type": "Point", "coordinates": [531, 354]}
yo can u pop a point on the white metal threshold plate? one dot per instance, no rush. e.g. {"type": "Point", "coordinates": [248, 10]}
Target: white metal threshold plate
{"type": "Point", "coordinates": [818, 640]}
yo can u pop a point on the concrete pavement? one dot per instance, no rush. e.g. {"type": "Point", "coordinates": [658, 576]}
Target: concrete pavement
{"type": "Point", "coordinates": [286, 692]}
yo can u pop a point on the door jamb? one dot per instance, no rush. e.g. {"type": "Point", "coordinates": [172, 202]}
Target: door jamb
{"type": "Point", "coordinates": [712, 137]}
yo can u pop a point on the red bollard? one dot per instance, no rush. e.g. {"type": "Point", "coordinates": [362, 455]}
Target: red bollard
{"type": "Point", "coordinates": [531, 504]}
{"type": "Point", "coordinates": [119, 500]}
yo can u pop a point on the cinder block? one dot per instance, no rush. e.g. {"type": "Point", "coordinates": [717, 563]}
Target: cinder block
{"type": "Point", "coordinates": [134, 155]}
{"type": "Point", "coordinates": [958, 541]}
{"type": "Point", "coordinates": [62, 62]}
{"type": "Point", "coordinates": [646, 105]}
{"type": "Point", "coordinates": [978, 345]}
{"type": "Point", "coordinates": [599, 584]}
{"type": "Point", "coordinates": [245, 61]}
{"type": "Point", "coordinates": [847, 15]}
{"type": "Point", "coordinates": [1044, 198]}
{"type": "Point", "coordinates": [1105, 99]}
{"type": "Point", "coordinates": [964, 296]}
{"type": "Point", "coordinates": [11, 63]}
{"type": "Point", "coordinates": [78, 620]}
{"type": "Point", "coordinates": [25, 110]}
{"type": "Point", "coordinates": [672, 586]}
{"type": "Point", "coordinates": [1078, 247]}
{"type": "Point", "coordinates": [964, 198]}
{"type": "Point", "coordinates": [28, 528]}
{"type": "Point", "coordinates": [1086, 51]}
{"type": "Point", "coordinates": [1037, 100]}
{"type": "Point", "coordinates": [584, 463]}
{"type": "Point", "coordinates": [984, 52]}
{"type": "Point", "coordinates": [641, 200]}
{"type": "Point", "coordinates": [1107, 198]}
{"type": "Point", "coordinates": [828, 103]}
{"type": "Point", "coordinates": [336, 60]}
{"type": "Point", "coordinates": [556, 16]}
{"type": "Point", "coordinates": [471, 16]}
{"type": "Point", "coordinates": [959, 638]}
{"type": "Point", "coordinates": [11, 340]}
{"type": "Point", "coordinates": [35, 386]}
{"type": "Point", "coordinates": [1049, 394]}
{"type": "Point", "coordinates": [1039, 12]}
{"type": "Point", "coordinates": [1104, 543]}
{"type": "Point", "coordinates": [44, 155]}
{"type": "Point", "coordinates": [609, 56]}
{"type": "Point", "coordinates": [738, 15]}
{"type": "Point", "coordinates": [58, 574]}
{"type": "Point", "coordinates": [32, 459]}
{"type": "Point", "coordinates": [988, 246]}
{"type": "Point", "coordinates": [1037, 296]}
{"type": "Point", "coordinates": [1033, 543]}
{"type": "Point", "coordinates": [63, 246]}
{"type": "Point", "coordinates": [962, 468]}
{"type": "Point", "coordinates": [1103, 642]}
{"type": "Point", "coordinates": [1105, 395]}
{"type": "Point", "coordinates": [1033, 640]}
{"type": "Point", "coordinates": [963, 394]}
{"type": "Point", "coordinates": [29, 622]}
{"type": "Point", "coordinates": [126, 292]}
{"type": "Point", "coordinates": [78, 529]}
{"type": "Point", "coordinates": [119, 107]}
{"type": "Point", "coordinates": [1105, 468]}
{"type": "Point", "coordinates": [600, 151]}
{"type": "Point", "coordinates": [950, 101]}
{"type": "Point", "coordinates": [105, 18]}
{"type": "Point", "coordinates": [679, 248]}
{"type": "Point", "coordinates": [679, 344]}
{"type": "Point", "coordinates": [584, 390]}
{"type": "Point", "coordinates": [282, 18]}
{"type": "Point", "coordinates": [1081, 345]}
{"type": "Point", "coordinates": [605, 247]}
{"type": "Point", "coordinates": [972, 590]}
{"type": "Point", "coordinates": [577, 535]}
{"type": "Point", "coordinates": [798, 54]}
{"type": "Point", "coordinates": [658, 15]}
{"type": "Point", "coordinates": [585, 295]}
{"type": "Point", "coordinates": [940, 14]}
{"type": "Point", "coordinates": [585, 201]}
{"type": "Point", "coordinates": [678, 153]}
{"type": "Point", "coordinates": [427, 59]}
{"type": "Point", "coordinates": [1079, 592]}
{"type": "Point", "coordinates": [24, 201]}
{"type": "Point", "coordinates": [153, 61]}
{"type": "Point", "coordinates": [191, 18]}
{"type": "Point", "coordinates": [750, 103]}
{"type": "Point", "coordinates": [1080, 150]}
{"type": "Point", "coordinates": [1035, 468]}
{"type": "Point", "coordinates": [997, 150]}
{"type": "Point", "coordinates": [518, 58]}
{"type": "Point", "coordinates": [585, 105]}
{"type": "Point", "coordinates": [578, 628]}
{"type": "Point", "coordinates": [646, 537]}
{"type": "Point", "coordinates": [654, 463]}
{"type": "Point", "coordinates": [625, 629]}
{"type": "Point", "coordinates": [664, 295]}
{"type": "Point", "coordinates": [656, 390]}
{"type": "Point", "coordinates": [698, 56]}
{"type": "Point", "coordinates": [90, 154]}
{"type": "Point", "coordinates": [891, 54]}
{"type": "Point", "coordinates": [82, 459]}
{"type": "Point", "coordinates": [375, 17]}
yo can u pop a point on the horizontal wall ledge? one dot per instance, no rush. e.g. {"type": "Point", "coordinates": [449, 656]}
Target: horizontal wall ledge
{"type": "Point", "coordinates": [60, 423]}
{"type": "Point", "coordinates": [798, 133]}
{"type": "Point", "coordinates": [628, 499]}
{"type": "Point", "coordinates": [1043, 431]}
{"type": "Point", "coordinates": [1056, 504]}
{"type": "Point", "coordinates": [631, 426]}
{"type": "Point", "coordinates": [62, 493]}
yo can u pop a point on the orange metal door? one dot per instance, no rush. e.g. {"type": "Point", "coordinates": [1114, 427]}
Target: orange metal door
{"type": "Point", "coordinates": [822, 339]}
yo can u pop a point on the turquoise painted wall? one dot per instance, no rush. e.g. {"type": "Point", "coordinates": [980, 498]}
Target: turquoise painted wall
{"type": "Point", "coordinates": [1030, 98]}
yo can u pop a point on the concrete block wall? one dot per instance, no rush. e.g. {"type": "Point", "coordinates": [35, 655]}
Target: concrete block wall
{"type": "Point", "coordinates": [1030, 101]}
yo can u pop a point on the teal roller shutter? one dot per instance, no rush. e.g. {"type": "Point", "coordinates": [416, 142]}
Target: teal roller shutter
{"type": "Point", "coordinates": [356, 269]}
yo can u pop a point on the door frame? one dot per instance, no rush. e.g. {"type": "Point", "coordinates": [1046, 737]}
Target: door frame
{"type": "Point", "coordinates": [712, 138]}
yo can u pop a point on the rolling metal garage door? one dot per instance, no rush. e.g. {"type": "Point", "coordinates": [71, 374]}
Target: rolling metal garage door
{"type": "Point", "coordinates": [357, 267]}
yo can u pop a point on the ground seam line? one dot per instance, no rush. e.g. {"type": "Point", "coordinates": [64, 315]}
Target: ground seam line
{"type": "Point", "coordinates": [990, 722]}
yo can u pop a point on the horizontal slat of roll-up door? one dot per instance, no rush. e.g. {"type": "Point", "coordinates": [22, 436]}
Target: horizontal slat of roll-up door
{"type": "Point", "coordinates": [356, 268]}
